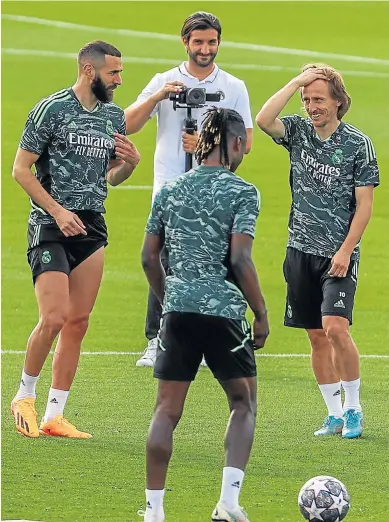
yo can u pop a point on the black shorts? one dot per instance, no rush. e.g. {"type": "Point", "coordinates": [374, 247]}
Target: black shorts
{"type": "Point", "coordinates": [312, 293]}
{"type": "Point", "coordinates": [50, 251]}
{"type": "Point", "coordinates": [185, 337]}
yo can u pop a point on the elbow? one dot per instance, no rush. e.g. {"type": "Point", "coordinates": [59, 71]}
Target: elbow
{"type": "Point", "coordinates": [263, 121]}
{"type": "Point", "coordinates": [248, 148]}
{"type": "Point", "coordinates": [145, 260]}
{"type": "Point", "coordinates": [148, 260]}
{"type": "Point", "coordinates": [260, 121]}
{"type": "Point", "coordinates": [238, 262]}
{"type": "Point", "coordinates": [16, 174]}
{"type": "Point", "coordinates": [236, 268]}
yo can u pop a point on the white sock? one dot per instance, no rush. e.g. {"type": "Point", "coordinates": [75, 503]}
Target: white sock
{"type": "Point", "coordinates": [351, 394]}
{"type": "Point", "coordinates": [332, 396]}
{"type": "Point", "coordinates": [27, 387]}
{"type": "Point", "coordinates": [231, 486]}
{"type": "Point", "coordinates": [55, 403]}
{"type": "Point", "coordinates": [154, 500]}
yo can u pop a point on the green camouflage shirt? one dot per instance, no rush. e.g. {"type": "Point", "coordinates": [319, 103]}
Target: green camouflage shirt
{"type": "Point", "coordinates": [75, 147]}
{"type": "Point", "coordinates": [323, 178]}
{"type": "Point", "coordinates": [197, 215]}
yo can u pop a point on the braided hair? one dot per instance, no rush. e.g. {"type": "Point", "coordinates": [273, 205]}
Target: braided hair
{"type": "Point", "coordinates": [218, 126]}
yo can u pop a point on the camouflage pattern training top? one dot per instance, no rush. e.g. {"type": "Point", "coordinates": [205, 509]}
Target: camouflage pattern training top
{"type": "Point", "coordinates": [75, 147]}
{"type": "Point", "coordinates": [197, 213]}
{"type": "Point", "coordinates": [323, 178]}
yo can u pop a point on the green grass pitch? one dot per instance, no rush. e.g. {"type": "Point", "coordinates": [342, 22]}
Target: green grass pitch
{"type": "Point", "coordinates": [53, 480]}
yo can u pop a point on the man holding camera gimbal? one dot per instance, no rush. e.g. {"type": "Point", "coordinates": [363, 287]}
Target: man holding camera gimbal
{"type": "Point", "coordinates": [167, 95]}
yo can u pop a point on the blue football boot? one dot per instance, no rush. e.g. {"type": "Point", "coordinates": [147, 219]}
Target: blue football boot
{"type": "Point", "coordinates": [353, 424]}
{"type": "Point", "coordinates": [331, 426]}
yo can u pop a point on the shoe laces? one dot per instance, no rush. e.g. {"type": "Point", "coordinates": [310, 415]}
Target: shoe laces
{"type": "Point", "coordinates": [351, 418]}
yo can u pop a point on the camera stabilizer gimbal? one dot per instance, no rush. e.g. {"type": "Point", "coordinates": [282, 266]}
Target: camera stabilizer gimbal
{"type": "Point", "coordinates": [192, 99]}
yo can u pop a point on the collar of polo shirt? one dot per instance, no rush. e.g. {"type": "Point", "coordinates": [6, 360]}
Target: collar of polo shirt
{"type": "Point", "coordinates": [210, 78]}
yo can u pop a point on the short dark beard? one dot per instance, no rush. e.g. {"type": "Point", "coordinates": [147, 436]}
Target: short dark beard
{"type": "Point", "coordinates": [100, 90]}
{"type": "Point", "coordinates": [194, 57]}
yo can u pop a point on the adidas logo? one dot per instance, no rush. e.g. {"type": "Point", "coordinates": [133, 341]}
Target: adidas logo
{"type": "Point", "coordinates": [336, 393]}
{"type": "Point", "coordinates": [23, 383]}
{"type": "Point", "coordinates": [236, 484]}
{"type": "Point", "coordinates": [339, 304]}
{"type": "Point", "coordinates": [148, 506]}
{"type": "Point", "coordinates": [54, 401]}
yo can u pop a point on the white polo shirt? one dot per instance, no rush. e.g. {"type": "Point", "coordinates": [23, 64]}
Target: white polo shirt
{"type": "Point", "coordinates": [169, 158]}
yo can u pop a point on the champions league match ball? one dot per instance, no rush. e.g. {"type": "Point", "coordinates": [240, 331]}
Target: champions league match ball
{"type": "Point", "coordinates": [324, 499]}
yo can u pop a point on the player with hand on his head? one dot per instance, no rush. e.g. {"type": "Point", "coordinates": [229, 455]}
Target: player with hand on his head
{"type": "Point", "coordinates": [332, 176]}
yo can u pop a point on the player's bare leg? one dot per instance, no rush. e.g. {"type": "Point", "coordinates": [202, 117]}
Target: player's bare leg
{"type": "Point", "coordinates": [337, 331]}
{"type": "Point", "coordinates": [335, 362]}
{"type": "Point", "coordinates": [328, 379]}
{"type": "Point", "coordinates": [242, 400]}
{"type": "Point", "coordinates": [167, 414]}
{"type": "Point", "coordinates": [84, 284]}
{"type": "Point", "coordinates": [347, 363]}
{"type": "Point", "coordinates": [322, 357]}
{"type": "Point", "coordinates": [52, 294]}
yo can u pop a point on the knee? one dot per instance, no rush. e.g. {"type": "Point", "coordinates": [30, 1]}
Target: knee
{"type": "Point", "coordinates": [319, 341]}
{"type": "Point", "coordinates": [243, 405]}
{"type": "Point", "coordinates": [172, 413]}
{"type": "Point", "coordinates": [77, 326]}
{"type": "Point", "coordinates": [53, 322]}
{"type": "Point", "coordinates": [336, 331]}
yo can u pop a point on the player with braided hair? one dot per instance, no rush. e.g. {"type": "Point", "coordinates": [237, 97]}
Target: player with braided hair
{"type": "Point", "coordinates": [218, 124]}
{"type": "Point", "coordinates": [206, 220]}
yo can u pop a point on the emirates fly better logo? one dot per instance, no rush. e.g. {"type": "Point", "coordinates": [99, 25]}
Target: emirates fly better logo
{"type": "Point", "coordinates": [320, 171]}
{"type": "Point", "coordinates": [92, 145]}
